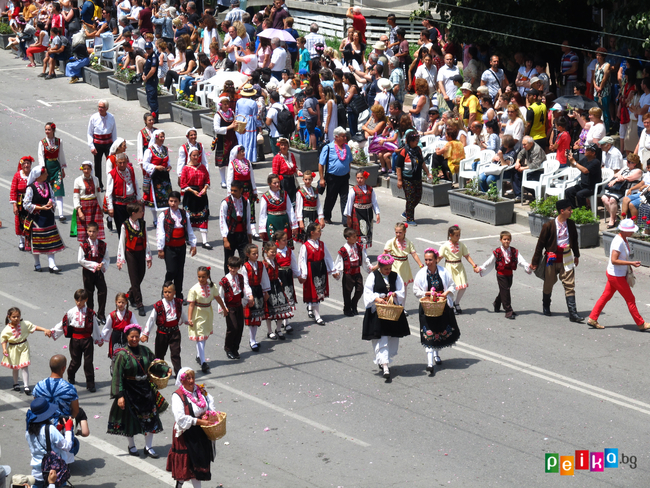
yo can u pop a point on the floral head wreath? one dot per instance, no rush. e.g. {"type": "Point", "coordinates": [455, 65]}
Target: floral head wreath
{"type": "Point", "coordinates": [25, 159]}
{"type": "Point", "coordinates": [431, 250]}
{"type": "Point", "coordinates": [385, 259]}
{"type": "Point", "coordinates": [132, 326]}
{"type": "Point", "coordinates": [53, 125]}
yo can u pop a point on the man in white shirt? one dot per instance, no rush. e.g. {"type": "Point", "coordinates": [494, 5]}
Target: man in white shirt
{"type": "Point", "coordinates": [312, 39]}
{"type": "Point", "coordinates": [428, 72]}
{"type": "Point", "coordinates": [102, 131]}
{"type": "Point", "coordinates": [235, 223]}
{"type": "Point", "coordinates": [278, 59]}
{"type": "Point", "coordinates": [445, 83]}
{"type": "Point", "coordinates": [235, 14]}
{"type": "Point", "coordinates": [138, 40]}
{"type": "Point", "coordinates": [494, 78]}
{"type": "Point", "coordinates": [235, 41]}
{"type": "Point", "coordinates": [612, 157]}
{"type": "Point", "coordinates": [644, 105]}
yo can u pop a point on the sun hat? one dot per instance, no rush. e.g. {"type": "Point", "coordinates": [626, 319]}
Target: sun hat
{"type": "Point", "coordinates": [606, 140]}
{"type": "Point", "coordinates": [41, 410]}
{"type": "Point", "coordinates": [384, 84]}
{"type": "Point", "coordinates": [248, 90]}
{"type": "Point", "coordinates": [556, 107]}
{"type": "Point", "coordinates": [591, 147]}
{"type": "Point", "coordinates": [379, 45]}
{"type": "Point", "coordinates": [466, 86]}
{"type": "Point", "coordinates": [628, 225]}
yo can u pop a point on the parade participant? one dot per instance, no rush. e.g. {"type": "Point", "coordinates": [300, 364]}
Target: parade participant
{"type": "Point", "coordinates": [80, 325]}
{"type": "Point", "coordinates": [15, 347]}
{"type": "Point", "coordinates": [277, 307]}
{"type": "Point", "coordinates": [276, 212]}
{"type": "Point", "coordinates": [133, 249]}
{"type": "Point", "coordinates": [246, 109]}
{"type": "Point", "coordinates": [400, 248]}
{"type": "Point", "coordinates": [144, 138]}
{"type": "Point", "coordinates": [441, 331]}
{"type": "Point", "coordinates": [173, 232]}
{"type": "Point", "coordinates": [102, 131]}
{"type": "Point", "coordinates": [186, 149]}
{"type": "Point", "coordinates": [505, 259]}
{"type": "Point", "coordinates": [380, 285]}
{"type": "Point", "coordinates": [156, 164]}
{"type": "Point", "coordinates": [231, 291]}
{"type": "Point", "coordinates": [94, 260]}
{"type": "Point", "coordinates": [315, 265]}
{"type": "Point", "coordinates": [284, 164]}
{"type": "Point", "coordinates": [51, 156]}
{"type": "Point", "coordinates": [453, 251]}
{"type": "Point", "coordinates": [225, 137]}
{"type": "Point", "coordinates": [256, 287]}
{"type": "Point", "coordinates": [118, 147]}
{"type": "Point", "coordinates": [121, 189]}
{"type": "Point", "coordinates": [137, 404]}
{"type": "Point", "coordinates": [241, 169]}
{"type": "Point", "coordinates": [558, 240]}
{"type": "Point", "coordinates": [191, 452]}
{"type": "Point", "coordinates": [351, 257]}
{"type": "Point", "coordinates": [85, 199]}
{"type": "Point", "coordinates": [287, 269]}
{"type": "Point", "coordinates": [619, 275]}
{"type": "Point", "coordinates": [361, 204]}
{"type": "Point", "coordinates": [409, 166]}
{"type": "Point", "coordinates": [308, 206]}
{"type": "Point", "coordinates": [43, 234]}
{"type": "Point", "coordinates": [194, 183]}
{"type": "Point", "coordinates": [17, 199]}
{"type": "Point", "coordinates": [334, 171]}
{"type": "Point", "coordinates": [234, 222]}
{"type": "Point", "coordinates": [116, 322]}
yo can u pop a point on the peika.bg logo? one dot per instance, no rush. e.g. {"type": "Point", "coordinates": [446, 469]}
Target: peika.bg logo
{"type": "Point", "coordinates": [586, 461]}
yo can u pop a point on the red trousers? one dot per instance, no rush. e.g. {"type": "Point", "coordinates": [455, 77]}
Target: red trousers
{"type": "Point", "coordinates": [617, 284]}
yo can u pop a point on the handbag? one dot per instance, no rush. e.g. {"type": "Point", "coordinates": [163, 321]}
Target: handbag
{"type": "Point", "coordinates": [321, 189]}
{"type": "Point", "coordinates": [359, 104]}
{"type": "Point", "coordinates": [540, 271]}
{"type": "Point", "coordinates": [52, 460]}
{"type": "Point", "coordinates": [629, 277]}
{"type": "Point", "coordinates": [493, 169]}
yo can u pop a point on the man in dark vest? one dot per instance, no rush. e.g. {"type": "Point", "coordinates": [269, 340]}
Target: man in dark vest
{"type": "Point", "coordinates": [234, 223]}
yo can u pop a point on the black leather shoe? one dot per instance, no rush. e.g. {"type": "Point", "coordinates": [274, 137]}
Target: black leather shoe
{"type": "Point", "coordinates": [150, 453]}
{"type": "Point", "coordinates": [437, 360]}
{"type": "Point", "coordinates": [198, 361]}
{"type": "Point", "coordinates": [255, 348]}
{"type": "Point", "coordinates": [91, 389]}
{"type": "Point", "coordinates": [497, 307]}
{"type": "Point", "coordinates": [109, 224]}
{"type": "Point", "coordinates": [141, 312]}
{"type": "Point", "coordinates": [205, 368]}
{"type": "Point", "coordinates": [231, 355]}
{"type": "Point", "coordinates": [431, 370]}
{"type": "Point", "coordinates": [71, 381]}
{"type": "Point", "coordinates": [133, 451]}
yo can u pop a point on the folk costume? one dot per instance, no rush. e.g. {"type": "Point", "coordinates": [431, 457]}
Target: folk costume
{"type": "Point", "coordinates": [18, 358]}
{"type": "Point", "coordinates": [277, 307]}
{"type": "Point", "coordinates": [111, 162]}
{"type": "Point", "coordinates": [157, 195]}
{"type": "Point", "coordinates": [286, 167]}
{"type": "Point", "coordinates": [102, 131]}
{"type": "Point", "coordinates": [315, 265]}
{"type": "Point", "coordinates": [51, 156]}
{"type": "Point", "coordinates": [242, 170]}
{"type": "Point", "coordinates": [309, 208]}
{"type": "Point", "coordinates": [225, 140]}
{"type": "Point", "coordinates": [361, 207]}
{"type": "Point", "coordinates": [86, 197]}
{"type": "Point", "coordinates": [121, 189]}
{"type": "Point", "coordinates": [173, 232]}
{"type": "Point", "coordinates": [256, 283]}
{"type": "Point", "coordinates": [82, 328]}
{"type": "Point", "coordinates": [167, 317]}
{"type": "Point", "coordinates": [113, 330]}
{"type": "Point", "coordinates": [202, 317]}
{"type": "Point", "coordinates": [349, 261]}
{"type": "Point", "coordinates": [453, 255]}
{"type": "Point", "coordinates": [17, 196]}
{"type": "Point", "coordinates": [235, 225]}
{"type": "Point", "coordinates": [288, 269]}
{"type": "Point", "coordinates": [133, 249]}
{"type": "Point", "coordinates": [144, 138]}
{"type": "Point", "coordinates": [276, 214]}
{"type": "Point", "coordinates": [94, 260]}
{"type": "Point", "coordinates": [505, 261]}
{"type": "Point", "coordinates": [198, 207]}
{"type": "Point", "coordinates": [184, 154]}
{"type": "Point", "coordinates": [246, 109]}
{"type": "Point", "coordinates": [231, 291]}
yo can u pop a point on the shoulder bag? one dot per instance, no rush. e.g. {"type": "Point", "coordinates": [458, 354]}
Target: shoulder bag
{"type": "Point", "coordinates": [321, 189]}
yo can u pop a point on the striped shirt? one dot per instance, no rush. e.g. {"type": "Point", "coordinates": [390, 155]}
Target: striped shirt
{"type": "Point", "coordinates": [57, 391]}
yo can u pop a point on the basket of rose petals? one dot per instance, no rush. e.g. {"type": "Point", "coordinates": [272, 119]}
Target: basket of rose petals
{"type": "Point", "coordinates": [216, 430]}
{"type": "Point", "coordinates": [434, 304]}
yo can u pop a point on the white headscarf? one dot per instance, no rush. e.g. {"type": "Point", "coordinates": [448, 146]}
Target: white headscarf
{"type": "Point", "coordinates": [34, 174]}
{"type": "Point", "coordinates": [187, 132]}
{"type": "Point", "coordinates": [181, 374]}
{"type": "Point", "coordinates": [157, 132]}
{"type": "Point", "coordinates": [233, 152]}
{"type": "Point", "coordinates": [89, 163]}
{"type": "Point", "coordinates": [118, 142]}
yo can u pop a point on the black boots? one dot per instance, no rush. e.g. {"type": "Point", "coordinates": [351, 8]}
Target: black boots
{"type": "Point", "coordinates": [546, 304]}
{"type": "Point", "coordinates": [573, 311]}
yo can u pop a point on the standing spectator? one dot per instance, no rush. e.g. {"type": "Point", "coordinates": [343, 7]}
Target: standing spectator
{"type": "Point", "coordinates": [562, 142]}
{"type": "Point", "coordinates": [193, 16]}
{"type": "Point", "coordinates": [429, 73]}
{"type": "Point", "coordinates": [494, 78]}
{"type": "Point", "coordinates": [397, 78]}
{"type": "Point", "coordinates": [643, 106]}
{"type": "Point", "coordinates": [358, 22]}
{"type": "Point", "coordinates": [144, 19]}
{"type": "Point", "coordinates": [446, 85]}
{"type": "Point", "coordinates": [292, 47]}
{"type": "Point", "coordinates": [272, 120]}
{"type": "Point", "coordinates": [391, 20]}
{"type": "Point", "coordinates": [525, 75]}
{"type": "Point", "coordinates": [603, 85]}
{"type": "Point", "coordinates": [334, 171]}
{"type": "Point", "coordinates": [568, 70]}
{"type": "Point", "coordinates": [312, 39]}
{"type": "Point", "coordinates": [210, 34]}
{"type": "Point", "coordinates": [278, 59]}
{"type": "Point", "coordinates": [150, 79]}
{"type": "Point", "coordinates": [232, 46]}
{"type": "Point", "coordinates": [403, 50]}
{"type": "Point", "coordinates": [540, 67]}
{"type": "Point", "coordinates": [278, 14]}
{"type": "Point", "coordinates": [473, 69]}
{"type": "Point", "coordinates": [235, 14]}
{"type": "Point", "coordinates": [420, 110]}
{"type": "Point", "coordinates": [102, 131]}
{"type": "Point", "coordinates": [311, 114]}
{"type": "Point", "coordinates": [250, 28]}
{"type": "Point", "coordinates": [468, 105]}
{"type": "Point", "coordinates": [536, 119]}
{"type": "Point", "coordinates": [305, 57]}
{"type": "Point", "coordinates": [590, 169]}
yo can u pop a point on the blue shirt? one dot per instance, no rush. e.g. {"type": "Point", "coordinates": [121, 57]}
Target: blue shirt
{"type": "Point", "coordinates": [166, 23]}
{"type": "Point", "coordinates": [58, 392]}
{"type": "Point", "coordinates": [292, 47]}
{"type": "Point", "coordinates": [151, 62]}
{"type": "Point", "coordinates": [87, 12]}
{"type": "Point", "coordinates": [336, 166]}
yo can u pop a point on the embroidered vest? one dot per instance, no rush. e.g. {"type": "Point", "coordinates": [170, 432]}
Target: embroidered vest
{"type": "Point", "coordinates": [232, 300]}
{"type": "Point", "coordinates": [361, 198]}
{"type": "Point", "coordinates": [237, 175]}
{"type": "Point", "coordinates": [175, 236]}
{"type": "Point", "coordinates": [120, 324]}
{"type": "Point", "coordinates": [136, 240]}
{"type": "Point", "coordinates": [501, 266]}
{"type": "Point", "coordinates": [272, 271]}
{"type": "Point", "coordinates": [120, 196]}
{"type": "Point", "coordinates": [254, 279]}
{"type": "Point", "coordinates": [159, 156]}
{"type": "Point", "coordinates": [87, 249]}
{"type": "Point", "coordinates": [76, 332]}
{"type": "Point", "coordinates": [187, 147]}
{"type": "Point", "coordinates": [351, 267]}
{"type": "Point", "coordinates": [380, 284]}
{"type": "Point", "coordinates": [146, 139]}
{"type": "Point", "coordinates": [161, 316]}
{"type": "Point", "coordinates": [235, 224]}
{"type": "Point", "coordinates": [284, 262]}
{"type": "Point", "coordinates": [51, 152]}
{"type": "Point", "coordinates": [276, 206]}
{"type": "Point", "coordinates": [309, 200]}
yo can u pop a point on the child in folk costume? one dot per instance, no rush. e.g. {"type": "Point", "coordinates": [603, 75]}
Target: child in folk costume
{"type": "Point", "coordinates": [453, 251]}
{"type": "Point", "coordinates": [155, 163]}
{"type": "Point", "coordinates": [349, 261]}
{"type": "Point", "coordinates": [144, 137]}
{"type": "Point", "coordinates": [309, 207]}
{"type": "Point", "coordinates": [277, 307]}
{"type": "Point", "coordinates": [315, 265]}
{"type": "Point", "coordinates": [167, 315]}
{"type": "Point", "coordinates": [186, 149]}
{"type": "Point", "coordinates": [384, 334]}
{"type": "Point", "coordinates": [225, 137]}
{"type": "Point", "coordinates": [400, 248]}
{"type": "Point", "coordinates": [117, 147]}
{"type": "Point", "coordinates": [234, 223]}
{"type": "Point", "coordinates": [43, 233]}
{"type": "Point", "coordinates": [284, 164]}
{"type": "Point", "coordinates": [51, 157]}
{"type": "Point", "coordinates": [117, 320]}
{"type": "Point", "coordinates": [86, 204]}
{"type": "Point", "coordinates": [362, 203]}
{"type": "Point", "coordinates": [256, 287]}
{"type": "Point", "coordinates": [240, 169]}
{"type": "Point", "coordinates": [441, 331]}
{"type": "Point", "coordinates": [80, 325]}
{"type": "Point", "coordinates": [231, 291]}
{"type": "Point", "coordinates": [17, 199]}
{"type": "Point", "coordinates": [15, 348]}
{"type": "Point", "coordinates": [195, 182]}
{"type": "Point", "coordinates": [276, 212]}
{"type": "Point", "coordinates": [133, 249]}
{"type": "Point", "coordinates": [121, 189]}
{"type": "Point", "coordinates": [505, 259]}
{"type": "Point", "coordinates": [94, 260]}
{"type": "Point", "coordinates": [287, 269]}
{"type": "Point", "coordinates": [200, 313]}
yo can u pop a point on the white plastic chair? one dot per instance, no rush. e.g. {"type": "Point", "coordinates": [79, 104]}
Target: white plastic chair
{"type": "Point", "coordinates": [557, 184]}
{"type": "Point", "coordinates": [465, 168]}
{"type": "Point", "coordinates": [499, 181]}
{"type": "Point", "coordinates": [551, 156]}
{"type": "Point", "coordinates": [550, 168]}
{"type": "Point", "coordinates": [599, 190]}
{"type": "Point", "coordinates": [203, 90]}
{"type": "Point", "coordinates": [109, 56]}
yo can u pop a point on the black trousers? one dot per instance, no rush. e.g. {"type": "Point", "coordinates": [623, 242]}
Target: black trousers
{"type": "Point", "coordinates": [337, 186]}
{"type": "Point", "coordinates": [503, 298]}
{"type": "Point", "coordinates": [91, 281]}
{"type": "Point", "coordinates": [352, 283]}
{"type": "Point", "coordinates": [234, 329]}
{"type": "Point", "coordinates": [171, 341]}
{"type": "Point", "coordinates": [152, 97]}
{"type": "Point", "coordinates": [102, 151]}
{"type": "Point", "coordinates": [238, 241]}
{"type": "Point", "coordinates": [175, 264]}
{"type": "Point", "coordinates": [120, 215]}
{"type": "Point", "coordinates": [578, 195]}
{"type": "Point", "coordinates": [518, 177]}
{"type": "Point", "coordinates": [136, 262]}
{"type": "Point", "coordinates": [79, 347]}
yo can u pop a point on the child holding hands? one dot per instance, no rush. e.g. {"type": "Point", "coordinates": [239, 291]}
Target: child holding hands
{"type": "Point", "coordinates": [453, 251]}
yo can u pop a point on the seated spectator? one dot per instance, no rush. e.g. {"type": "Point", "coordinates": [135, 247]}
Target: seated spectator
{"type": "Point", "coordinates": [55, 52]}
{"type": "Point", "coordinates": [375, 123]}
{"type": "Point", "coordinates": [637, 193]}
{"type": "Point", "coordinates": [476, 136]}
{"type": "Point", "coordinates": [434, 122]}
{"type": "Point", "coordinates": [618, 187]}
{"type": "Point", "coordinates": [591, 175]}
{"type": "Point", "coordinates": [531, 156]}
{"type": "Point", "coordinates": [612, 157]}
{"type": "Point", "coordinates": [492, 141]}
{"type": "Point", "coordinates": [41, 44]}
{"type": "Point", "coordinates": [188, 68]}
{"type": "Point", "coordinates": [384, 145]}
{"type": "Point", "coordinates": [504, 157]}
{"type": "Point", "coordinates": [453, 152]}
{"type": "Point", "coordinates": [386, 96]}
{"type": "Point", "coordinates": [204, 73]}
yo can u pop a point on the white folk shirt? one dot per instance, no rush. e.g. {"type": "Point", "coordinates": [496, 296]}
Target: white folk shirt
{"type": "Point", "coordinates": [170, 314]}
{"type": "Point", "coordinates": [265, 282]}
{"type": "Point", "coordinates": [295, 269]}
{"type": "Point", "coordinates": [230, 176]}
{"type": "Point", "coordinates": [140, 144]}
{"type": "Point", "coordinates": [176, 216]}
{"type": "Point", "coordinates": [239, 208]}
{"type": "Point", "coordinates": [562, 233]}
{"type": "Point", "coordinates": [264, 211]}
{"type": "Point", "coordinates": [300, 203]}
{"type": "Point", "coordinates": [235, 289]}
{"type": "Point", "coordinates": [350, 203]}
{"type": "Point", "coordinates": [79, 191]}
{"type": "Point", "coordinates": [107, 330]}
{"type": "Point", "coordinates": [132, 187]}
{"type": "Point", "coordinates": [77, 320]}
{"type": "Point", "coordinates": [488, 265]}
{"type": "Point", "coordinates": [41, 153]}
{"type": "Point", "coordinates": [183, 158]}
{"type": "Point", "coordinates": [421, 284]}
{"type": "Point", "coordinates": [369, 295]}
{"type": "Point", "coordinates": [121, 247]}
{"type": "Point", "coordinates": [302, 259]}
{"type": "Point", "coordinates": [91, 265]}
{"type": "Point", "coordinates": [363, 260]}
{"type": "Point", "coordinates": [101, 125]}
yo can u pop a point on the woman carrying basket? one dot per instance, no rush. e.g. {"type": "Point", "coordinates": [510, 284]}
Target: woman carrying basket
{"type": "Point", "coordinates": [382, 286]}
{"type": "Point", "coordinates": [442, 330]}
{"type": "Point", "coordinates": [192, 451]}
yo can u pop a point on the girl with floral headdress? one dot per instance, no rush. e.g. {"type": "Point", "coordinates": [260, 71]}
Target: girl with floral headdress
{"type": "Point", "coordinates": [284, 164]}
{"type": "Point", "coordinates": [400, 248]}
{"type": "Point", "coordinates": [309, 207]}
{"type": "Point", "coordinates": [361, 204]}
{"type": "Point", "coordinates": [453, 251]}
{"type": "Point", "coordinates": [17, 197]}
{"type": "Point", "coordinates": [380, 286]}
{"type": "Point", "coordinates": [156, 164]}
{"type": "Point", "coordinates": [241, 169]}
{"type": "Point", "coordinates": [225, 138]}
{"type": "Point", "coordinates": [276, 212]}
{"type": "Point", "coordinates": [50, 156]}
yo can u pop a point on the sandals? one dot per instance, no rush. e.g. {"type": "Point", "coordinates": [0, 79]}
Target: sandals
{"type": "Point", "coordinates": [310, 313]}
{"type": "Point", "coordinates": [16, 387]}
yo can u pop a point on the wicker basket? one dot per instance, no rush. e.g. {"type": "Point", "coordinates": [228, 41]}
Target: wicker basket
{"type": "Point", "coordinates": [433, 309]}
{"type": "Point", "coordinates": [159, 382]}
{"type": "Point", "coordinates": [216, 431]}
{"type": "Point", "coordinates": [241, 125]}
{"type": "Point", "coordinates": [389, 311]}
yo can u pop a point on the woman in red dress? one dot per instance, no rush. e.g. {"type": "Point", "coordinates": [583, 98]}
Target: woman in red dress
{"type": "Point", "coordinates": [195, 182]}
{"type": "Point", "coordinates": [16, 195]}
{"type": "Point", "coordinates": [240, 169]}
{"type": "Point", "coordinates": [284, 164]}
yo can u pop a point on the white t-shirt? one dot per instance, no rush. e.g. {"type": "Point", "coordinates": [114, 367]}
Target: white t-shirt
{"type": "Point", "coordinates": [643, 101]}
{"type": "Point", "coordinates": [428, 75]}
{"type": "Point", "coordinates": [249, 64]}
{"type": "Point", "coordinates": [121, 13]}
{"type": "Point", "coordinates": [237, 41]}
{"type": "Point", "coordinates": [493, 81]}
{"type": "Point", "coordinates": [273, 115]}
{"type": "Point", "coordinates": [278, 59]}
{"type": "Point", "coordinates": [618, 244]}
{"type": "Point", "coordinates": [596, 131]}
{"type": "Point", "coordinates": [445, 74]}
{"type": "Point", "coordinates": [515, 129]}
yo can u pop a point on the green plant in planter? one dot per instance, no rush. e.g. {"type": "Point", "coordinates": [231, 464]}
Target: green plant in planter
{"type": "Point", "coordinates": [187, 101]}
{"type": "Point", "coordinates": [5, 29]}
{"type": "Point", "coordinates": [545, 208]}
{"type": "Point", "coordinates": [360, 159]}
{"type": "Point", "coordinates": [493, 192]}
{"type": "Point", "coordinates": [583, 215]}
{"type": "Point", "coordinates": [96, 64]}
{"type": "Point", "coordinates": [472, 188]}
{"type": "Point", "coordinates": [297, 143]}
{"type": "Point", "coordinates": [124, 75]}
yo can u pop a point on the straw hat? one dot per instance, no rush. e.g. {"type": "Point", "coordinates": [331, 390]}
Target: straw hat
{"type": "Point", "coordinates": [384, 84]}
{"type": "Point", "coordinates": [248, 91]}
{"type": "Point", "coordinates": [379, 45]}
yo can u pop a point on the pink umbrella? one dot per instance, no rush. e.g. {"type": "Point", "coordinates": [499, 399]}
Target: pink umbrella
{"type": "Point", "coordinates": [280, 34]}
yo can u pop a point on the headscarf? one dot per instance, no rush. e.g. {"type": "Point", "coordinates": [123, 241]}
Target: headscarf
{"type": "Point", "coordinates": [34, 174]}
{"type": "Point", "coordinates": [431, 250]}
{"type": "Point", "coordinates": [118, 142]}
{"type": "Point", "coordinates": [157, 132]}
{"type": "Point", "coordinates": [233, 152]}
{"type": "Point", "coordinates": [23, 159]}
{"type": "Point", "coordinates": [187, 132]}
{"type": "Point", "coordinates": [181, 376]}
{"type": "Point", "coordinates": [86, 163]}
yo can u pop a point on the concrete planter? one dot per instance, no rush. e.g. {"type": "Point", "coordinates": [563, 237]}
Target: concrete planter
{"type": "Point", "coordinates": [639, 250]}
{"type": "Point", "coordinates": [207, 124]}
{"type": "Point", "coordinates": [62, 64]}
{"type": "Point", "coordinates": [588, 234]}
{"type": "Point", "coordinates": [372, 169]}
{"type": "Point", "coordinates": [98, 79]}
{"type": "Point", "coordinates": [432, 195]}
{"type": "Point", "coordinates": [4, 40]}
{"type": "Point", "coordinates": [187, 116]}
{"type": "Point", "coordinates": [164, 101]}
{"type": "Point", "coordinates": [123, 90]}
{"type": "Point", "coordinates": [305, 160]}
{"type": "Point", "coordinates": [495, 213]}
{"type": "Point", "coordinates": [536, 222]}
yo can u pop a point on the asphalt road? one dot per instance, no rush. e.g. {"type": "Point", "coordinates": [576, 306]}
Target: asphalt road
{"type": "Point", "coordinates": [313, 411]}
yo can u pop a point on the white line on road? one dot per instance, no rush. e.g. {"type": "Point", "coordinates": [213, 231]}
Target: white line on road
{"type": "Point", "coordinates": [18, 300]}
{"type": "Point", "coordinates": [56, 102]}
{"type": "Point", "coordinates": [440, 243]}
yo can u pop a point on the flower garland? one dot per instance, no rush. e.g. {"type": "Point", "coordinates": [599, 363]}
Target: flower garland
{"type": "Point", "coordinates": [241, 166]}
{"type": "Point", "coordinates": [200, 399]}
{"type": "Point", "coordinates": [338, 152]}
{"type": "Point", "coordinates": [42, 189]}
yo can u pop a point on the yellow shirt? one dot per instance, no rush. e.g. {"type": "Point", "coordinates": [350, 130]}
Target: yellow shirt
{"type": "Point", "coordinates": [470, 106]}
{"type": "Point", "coordinates": [538, 129]}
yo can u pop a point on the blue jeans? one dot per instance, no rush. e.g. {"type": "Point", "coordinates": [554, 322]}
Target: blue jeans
{"type": "Point", "coordinates": [485, 180]}
{"type": "Point", "coordinates": [353, 120]}
{"type": "Point", "coordinates": [186, 82]}
{"type": "Point", "coordinates": [635, 200]}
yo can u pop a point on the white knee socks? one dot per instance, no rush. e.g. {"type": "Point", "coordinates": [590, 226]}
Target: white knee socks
{"type": "Point", "coordinates": [59, 205]}
{"type": "Point", "coordinates": [429, 356]}
{"type": "Point", "coordinates": [195, 483]}
{"type": "Point", "coordinates": [459, 295]}
{"type": "Point", "coordinates": [222, 173]}
{"type": "Point", "coordinates": [37, 259]}
{"type": "Point", "coordinates": [131, 441]}
{"type": "Point", "coordinates": [253, 331]}
{"type": "Point", "coordinates": [315, 308]}
{"type": "Point", "coordinates": [50, 260]}
{"type": "Point", "coordinates": [25, 372]}
{"type": "Point", "coordinates": [200, 350]}
{"type": "Point", "coordinates": [21, 240]}
{"type": "Point", "coordinates": [204, 235]}
{"type": "Point", "coordinates": [268, 326]}
{"type": "Point", "coordinates": [148, 440]}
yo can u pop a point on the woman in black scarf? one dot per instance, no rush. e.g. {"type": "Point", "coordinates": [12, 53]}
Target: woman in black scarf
{"type": "Point", "coordinates": [410, 164]}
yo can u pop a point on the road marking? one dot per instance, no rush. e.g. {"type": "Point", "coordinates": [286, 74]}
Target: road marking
{"type": "Point", "coordinates": [18, 300]}
{"type": "Point", "coordinates": [440, 243]}
{"type": "Point", "coordinates": [106, 447]}
{"type": "Point", "coordinates": [44, 103]}
{"type": "Point", "coordinates": [55, 102]}
{"type": "Point", "coordinates": [289, 413]}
